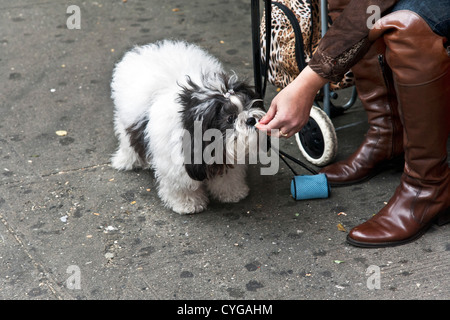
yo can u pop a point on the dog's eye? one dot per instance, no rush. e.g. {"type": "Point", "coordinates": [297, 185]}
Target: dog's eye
{"type": "Point", "coordinates": [231, 119]}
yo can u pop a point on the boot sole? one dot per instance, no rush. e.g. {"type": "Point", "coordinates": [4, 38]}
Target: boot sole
{"type": "Point", "coordinates": [387, 244]}
{"type": "Point", "coordinates": [441, 219]}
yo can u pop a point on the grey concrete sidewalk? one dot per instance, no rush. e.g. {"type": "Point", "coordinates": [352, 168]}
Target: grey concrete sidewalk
{"type": "Point", "coordinates": [65, 214]}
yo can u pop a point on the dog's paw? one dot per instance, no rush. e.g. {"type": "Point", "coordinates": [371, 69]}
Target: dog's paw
{"type": "Point", "coordinates": [190, 204]}
{"type": "Point", "coordinates": [186, 202]}
{"type": "Point", "coordinates": [232, 195]}
{"type": "Point", "coordinates": [189, 208]}
{"type": "Point", "coordinates": [125, 160]}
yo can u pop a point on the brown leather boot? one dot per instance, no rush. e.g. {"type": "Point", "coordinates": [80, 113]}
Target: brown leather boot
{"type": "Point", "coordinates": [421, 68]}
{"type": "Point", "coordinates": [383, 145]}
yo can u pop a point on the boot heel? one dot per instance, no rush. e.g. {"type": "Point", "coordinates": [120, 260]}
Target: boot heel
{"type": "Point", "coordinates": [444, 217]}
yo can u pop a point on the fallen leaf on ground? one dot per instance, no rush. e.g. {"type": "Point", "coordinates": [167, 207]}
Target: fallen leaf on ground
{"type": "Point", "coordinates": [341, 227]}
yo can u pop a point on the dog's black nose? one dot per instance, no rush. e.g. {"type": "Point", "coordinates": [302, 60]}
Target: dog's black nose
{"type": "Point", "coordinates": [251, 121]}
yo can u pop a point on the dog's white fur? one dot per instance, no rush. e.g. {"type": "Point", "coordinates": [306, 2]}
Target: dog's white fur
{"type": "Point", "coordinates": [146, 89]}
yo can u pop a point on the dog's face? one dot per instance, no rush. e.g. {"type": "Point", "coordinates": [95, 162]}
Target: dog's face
{"type": "Point", "coordinates": [225, 110]}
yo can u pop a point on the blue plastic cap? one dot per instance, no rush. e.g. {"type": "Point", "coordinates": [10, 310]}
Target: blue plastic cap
{"type": "Point", "coordinates": [310, 187]}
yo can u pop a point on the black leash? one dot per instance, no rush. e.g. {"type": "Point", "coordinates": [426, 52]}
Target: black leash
{"type": "Point", "coordinates": [284, 155]}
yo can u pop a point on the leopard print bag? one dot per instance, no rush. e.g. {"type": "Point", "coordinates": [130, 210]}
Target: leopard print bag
{"type": "Point", "coordinates": [295, 36]}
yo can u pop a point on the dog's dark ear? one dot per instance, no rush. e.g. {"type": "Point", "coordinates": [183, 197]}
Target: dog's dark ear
{"type": "Point", "coordinates": [193, 150]}
{"type": "Point", "coordinates": [185, 97]}
{"type": "Point", "coordinates": [195, 165]}
{"type": "Point", "coordinates": [196, 171]}
{"type": "Point", "coordinates": [215, 169]}
{"type": "Point", "coordinates": [201, 172]}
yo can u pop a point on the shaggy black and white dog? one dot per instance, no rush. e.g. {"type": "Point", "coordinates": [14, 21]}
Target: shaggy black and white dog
{"type": "Point", "coordinates": [178, 112]}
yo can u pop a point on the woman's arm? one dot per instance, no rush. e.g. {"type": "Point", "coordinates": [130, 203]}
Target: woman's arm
{"type": "Point", "coordinates": [342, 46]}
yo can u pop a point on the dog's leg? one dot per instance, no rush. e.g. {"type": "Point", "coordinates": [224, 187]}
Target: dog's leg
{"type": "Point", "coordinates": [183, 198]}
{"type": "Point", "coordinates": [125, 158]}
{"type": "Point", "coordinates": [230, 187]}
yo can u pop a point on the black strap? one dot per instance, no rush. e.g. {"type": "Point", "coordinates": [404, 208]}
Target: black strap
{"type": "Point", "coordinates": [256, 47]}
{"type": "Point", "coordinates": [284, 155]}
{"type": "Point", "coordinates": [299, 49]}
{"type": "Point", "coordinates": [268, 11]}
{"type": "Point", "coordinates": [258, 68]}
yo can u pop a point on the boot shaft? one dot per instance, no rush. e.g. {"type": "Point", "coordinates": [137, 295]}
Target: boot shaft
{"type": "Point", "coordinates": [376, 92]}
{"type": "Point", "coordinates": [421, 69]}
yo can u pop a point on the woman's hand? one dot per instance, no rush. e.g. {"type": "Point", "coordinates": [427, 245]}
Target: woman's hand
{"type": "Point", "coordinates": [289, 110]}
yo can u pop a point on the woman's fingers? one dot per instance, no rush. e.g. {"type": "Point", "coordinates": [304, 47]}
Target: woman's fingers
{"type": "Point", "coordinates": [271, 125]}
{"type": "Point", "coordinates": [269, 115]}
{"type": "Point", "coordinates": [273, 129]}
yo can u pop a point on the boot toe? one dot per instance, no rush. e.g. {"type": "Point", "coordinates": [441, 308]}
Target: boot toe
{"type": "Point", "coordinates": [360, 234]}
{"type": "Point", "coordinates": [370, 234]}
{"type": "Point", "coordinates": [337, 173]}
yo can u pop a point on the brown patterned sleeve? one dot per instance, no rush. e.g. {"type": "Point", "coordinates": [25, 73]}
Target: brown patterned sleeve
{"type": "Point", "coordinates": [346, 41]}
